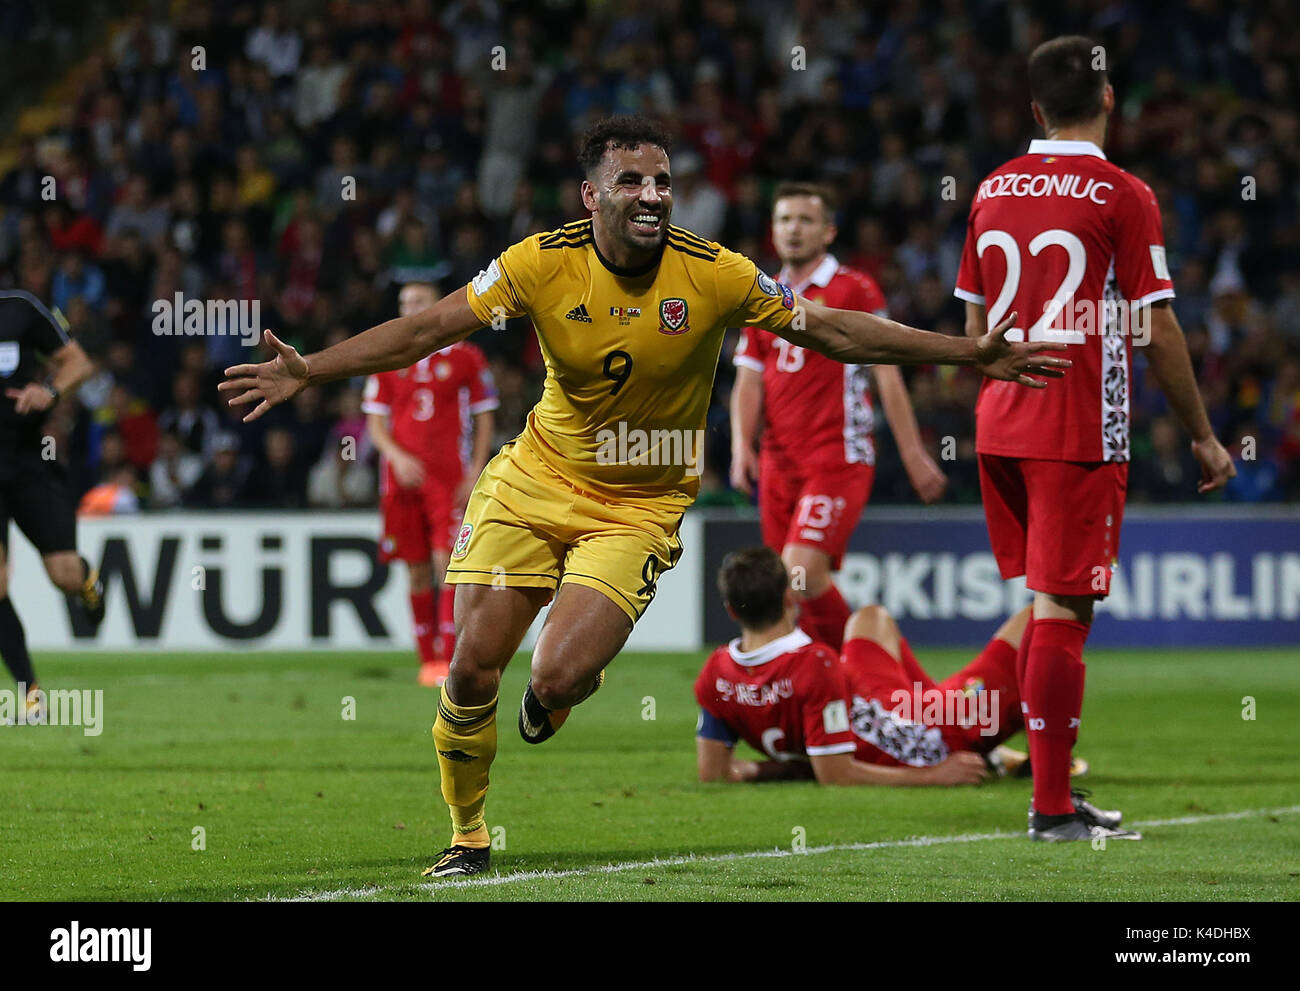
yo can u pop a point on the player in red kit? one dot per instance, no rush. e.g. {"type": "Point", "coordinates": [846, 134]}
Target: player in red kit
{"type": "Point", "coordinates": [432, 422]}
{"type": "Point", "coordinates": [794, 699]}
{"type": "Point", "coordinates": [1073, 243]}
{"type": "Point", "coordinates": [876, 717]}
{"type": "Point", "coordinates": [817, 457]}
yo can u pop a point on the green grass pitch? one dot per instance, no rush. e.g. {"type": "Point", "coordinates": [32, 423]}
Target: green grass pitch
{"type": "Point", "coordinates": [296, 801]}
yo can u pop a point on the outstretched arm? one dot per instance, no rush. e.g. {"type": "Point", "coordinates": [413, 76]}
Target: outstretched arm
{"type": "Point", "coordinates": [715, 762]}
{"type": "Point", "coordinates": [854, 337]}
{"type": "Point", "coordinates": [394, 344]}
{"type": "Point", "coordinates": [960, 768]}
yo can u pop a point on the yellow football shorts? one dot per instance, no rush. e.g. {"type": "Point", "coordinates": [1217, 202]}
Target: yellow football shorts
{"type": "Point", "coordinates": [526, 526]}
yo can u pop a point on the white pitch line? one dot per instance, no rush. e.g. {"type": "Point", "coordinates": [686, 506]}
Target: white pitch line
{"type": "Point", "coordinates": [494, 880]}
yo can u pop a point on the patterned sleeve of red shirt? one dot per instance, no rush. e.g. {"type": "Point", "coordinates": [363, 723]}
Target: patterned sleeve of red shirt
{"type": "Point", "coordinates": [823, 693]}
{"type": "Point", "coordinates": [752, 349]}
{"type": "Point", "coordinates": [1140, 265]}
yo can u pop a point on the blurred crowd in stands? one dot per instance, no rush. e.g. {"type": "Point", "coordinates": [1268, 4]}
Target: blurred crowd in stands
{"type": "Point", "coordinates": [314, 156]}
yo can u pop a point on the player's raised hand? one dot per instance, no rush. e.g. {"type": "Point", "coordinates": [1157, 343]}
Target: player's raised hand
{"type": "Point", "coordinates": [998, 358]}
{"type": "Point", "coordinates": [1216, 464]}
{"type": "Point", "coordinates": [273, 382]}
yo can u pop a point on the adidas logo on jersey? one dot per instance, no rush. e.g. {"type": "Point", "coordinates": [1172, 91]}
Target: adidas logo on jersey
{"type": "Point", "coordinates": [579, 313]}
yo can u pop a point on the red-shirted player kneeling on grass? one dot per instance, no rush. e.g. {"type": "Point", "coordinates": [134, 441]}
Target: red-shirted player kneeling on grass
{"type": "Point", "coordinates": [432, 422]}
{"type": "Point", "coordinates": [871, 715]}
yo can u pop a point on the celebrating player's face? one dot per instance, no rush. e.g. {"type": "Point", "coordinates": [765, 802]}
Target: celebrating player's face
{"type": "Point", "coordinates": [801, 228]}
{"type": "Point", "coordinates": [633, 197]}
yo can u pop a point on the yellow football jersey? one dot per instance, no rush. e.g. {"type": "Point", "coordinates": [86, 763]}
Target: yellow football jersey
{"type": "Point", "coordinates": [630, 355]}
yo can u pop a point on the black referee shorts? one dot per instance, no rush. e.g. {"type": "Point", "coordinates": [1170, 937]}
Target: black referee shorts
{"type": "Point", "coordinates": [37, 495]}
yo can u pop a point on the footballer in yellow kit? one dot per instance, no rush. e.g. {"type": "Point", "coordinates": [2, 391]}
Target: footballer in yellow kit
{"type": "Point", "coordinates": [594, 488]}
{"type": "Point", "coordinates": [585, 504]}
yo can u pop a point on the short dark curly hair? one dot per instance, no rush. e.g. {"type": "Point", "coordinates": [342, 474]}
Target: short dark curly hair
{"type": "Point", "coordinates": [621, 131]}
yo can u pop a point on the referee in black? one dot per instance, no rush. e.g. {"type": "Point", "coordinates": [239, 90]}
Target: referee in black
{"type": "Point", "coordinates": [38, 363]}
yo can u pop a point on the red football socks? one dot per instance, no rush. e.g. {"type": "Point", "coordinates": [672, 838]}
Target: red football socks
{"type": "Point", "coordinates": [1052, 690]}
{"type": "Point", "coordinates": [422, 619]}
{"type": "Point", "coordinates": [823, 618]}
{"type": "Point", "coordinates": [994, 671]}
{"type": "Point", "coordinates": [1022, 653]}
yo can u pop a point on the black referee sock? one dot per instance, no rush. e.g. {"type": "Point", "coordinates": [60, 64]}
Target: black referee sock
{"type": "Point", "coordinates": [13, 644]}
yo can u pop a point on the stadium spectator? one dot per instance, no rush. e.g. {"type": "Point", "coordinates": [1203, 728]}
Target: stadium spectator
{"type": "Point", "coordinates": [278, 482]}
{"type": "Point", "coordinates": [337, 482]}
{"type": "Point", "coordinates": [1168, 469]}
{"type": "Point", "coordinates": [173, 472]}
{"type": "Point", "coordinates": [698, 205]}
{"type": "Point", "coordinates": [224, 482]}
{"type": "Point", "coordinates": [21, 185]}
{"type": "Point", "coordinates": [275, 46]}
{"type": "Point", "coordinates": [112, 497]}
{"type": "Point", "coordinates": [192, 421]}
{"type": "Point", "coordinates": [138, 212]}
{"type": "Point", "coordinates": [134, 422]}
{"type": "Point", "coordinates": [75, 279]}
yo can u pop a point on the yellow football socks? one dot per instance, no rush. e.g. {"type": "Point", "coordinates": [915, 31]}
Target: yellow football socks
{"type": "Point", "coordinates": [466, 738]}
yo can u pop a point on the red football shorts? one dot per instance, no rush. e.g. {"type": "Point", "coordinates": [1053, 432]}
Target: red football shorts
{"type": "Point", "coordinates": [873, 673]}
{"type": "Point", "coordinates": [1055, 522]}
{"type": "Point", "coordinates": [819, 509]}
{"type": "Point", "coordinates": [418, 522]}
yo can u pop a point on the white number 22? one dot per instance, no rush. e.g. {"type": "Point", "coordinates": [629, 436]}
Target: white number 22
{"type": "Point", "coordinates": [1078, 257]}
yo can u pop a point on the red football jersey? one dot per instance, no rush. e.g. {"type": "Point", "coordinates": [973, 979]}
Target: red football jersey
{"type": "Point", "coordinates": [816, 411]}
{"type": "Point", "coordinates": [788, 699]}
{"type": "Point", "coordinates": [431, 406]}
{"type": "Point", "coordinates": [1071, 243]}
